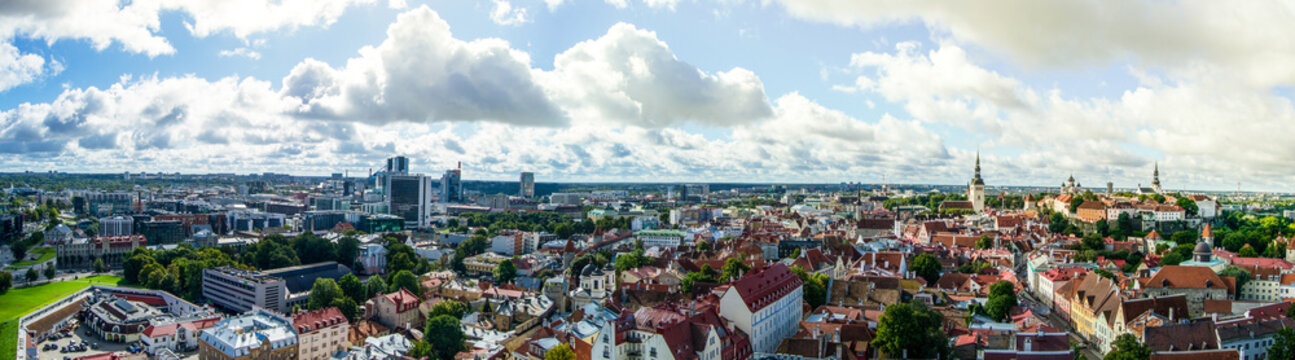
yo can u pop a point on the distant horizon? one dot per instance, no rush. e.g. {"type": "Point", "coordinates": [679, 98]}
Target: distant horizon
{"type": "Point", "coordinates": [987, 185]}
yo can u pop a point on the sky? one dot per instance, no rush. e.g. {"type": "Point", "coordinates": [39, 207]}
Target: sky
{"type": "Point", "coordinates": [805, 91]}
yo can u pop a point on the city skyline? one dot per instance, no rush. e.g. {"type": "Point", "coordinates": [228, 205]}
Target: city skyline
{"type": "Point", "coordinates": [673, 91]}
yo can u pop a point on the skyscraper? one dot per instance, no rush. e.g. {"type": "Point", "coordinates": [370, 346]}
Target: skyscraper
{"type": "Point", "coordinates": [398, 165]}
{"type": "Point", "coordinates": [528, 185]}
{"type": "Point", "coordinates": [452, 185]}
{"type": "Point", "coordinates": [409, 196]}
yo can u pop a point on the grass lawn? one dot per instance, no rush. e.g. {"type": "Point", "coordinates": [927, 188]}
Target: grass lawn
{"type": "Point", "coordinates": [45, 255]}
{"type": "Point", "coordinates": [19, 302]}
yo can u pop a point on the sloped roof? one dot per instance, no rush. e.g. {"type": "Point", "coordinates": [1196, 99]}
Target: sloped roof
{"type": "Point", "coordinates": [1187, 277]}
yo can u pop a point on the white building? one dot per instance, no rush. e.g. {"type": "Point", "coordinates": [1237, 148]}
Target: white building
{"type": "Point", "coordinates": [266, 333]}
{"type": "Point", "coordinates": [766, 304]}
{"type": "Point", "coordinates": [116, 226]}
{"type": "Point", "coordinates": [662, 238]}
{"type": "Point", "coordinates": [372, 259]}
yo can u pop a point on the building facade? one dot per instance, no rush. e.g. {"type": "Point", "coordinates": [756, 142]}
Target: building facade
{"type": "Point", "coordinates": [765, 304]}
{"type": "Point", "coordinates": [321, 333]}
{"type": "Point", "coordinates": [257, 334]}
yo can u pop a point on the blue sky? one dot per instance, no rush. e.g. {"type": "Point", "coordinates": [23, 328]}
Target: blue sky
{"type": "Point", "coordinates": [654, 90]}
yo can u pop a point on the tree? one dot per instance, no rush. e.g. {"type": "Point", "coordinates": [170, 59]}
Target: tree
{"type": "Point", "coordinates": [348, 248]}
{"type": "Point", "coordinates": [49, 273]}
{"type": "Point", "coordinates": [702, 246]}
{"type": "Point", "coordinates": [375, 286]}
{"type": "Point", "coordinates": [405, 280]}
{"type": "Point", "coordinates": [448, 339]}
{"type": "Point", "coordinates": [134, 265]}
{"type": "Point", "coordinates": [1172, 259]}
{"type": "Point", "coordinates": [348, 308]}
{"type": "Point", "coordinates": [452, 308]}
{"type": "Point", "coordinates": [323, 293]}
{"type": "Point", "coordinates": [99, 266]}
{"type": "Point", "coordinates": [1240, 274]}
{"type": "Point", "coordinates": [1188, 206]}
{"type": "Point", "coordinates": [560, 352]}
{"type": "Point", "coordinates": [1075, 202]}
{"type": "Point", "coordinates": [352, 288]}
{"type": "Point", "coordinates": [1248, 251]}
{"type": "Point", "coordinates": [146, 274]}
{"type": "Point", "coordinates": [31, 275]}
{"type": "Point", "coordinates": [984, 242]}
{"type": "Point", "coordinates": [564, 231]}
{"type": "Point", "coordinates": [732, 269]}
{"type": "Point", "coordinates": [19, 250]}
{"type": "Point", "coordinates": [912, 328]}
{"type": "Point", "coordinates": [1127, 347]}
{"type": "Point", "coordinates": [1104, 273]}
{"type": "Point", "coordinates": [505, 271]}
{"type": "Point", "coordinates": [6, 281]}
{"type": "Point", "coordinates": [1184, 237]}
{"type": "Point", "coordinates": [1002, 288]}
{"type": "Point", "coordinates": [1283, 346]}
{"type": "Point", "coordinates": [1002, 298]}
{"type": "Point", "coordinates": [926, 266]}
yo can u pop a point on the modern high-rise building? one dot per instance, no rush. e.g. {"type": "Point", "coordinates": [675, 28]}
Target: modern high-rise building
{"type": "Point", "coordinates": [398, 165]}
{"type": "Point", "coordinates": [452, 185]}
{"type": "Point", "coordinates": [528, 185]}
{"type": "Point", "coordinates": [409, 197]}
{"type": "Point", "coordinates": [116, 226]}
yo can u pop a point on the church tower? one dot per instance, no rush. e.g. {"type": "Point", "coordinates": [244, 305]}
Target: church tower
{"type": "Point", "coordinates": [976, 190]}
{"type": "Point", "coordinates": [1155, 180]}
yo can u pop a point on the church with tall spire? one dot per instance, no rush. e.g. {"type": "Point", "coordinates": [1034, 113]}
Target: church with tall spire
{"type": "Point", "coordinates": [1155, 183]}
{"type": "Point", "coordinates": [976, 189]}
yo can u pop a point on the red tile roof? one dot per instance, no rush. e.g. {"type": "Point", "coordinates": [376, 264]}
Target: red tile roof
{"type": "Point", "coordinates": [318, 319]}
{"type": "Point", "coordinates": [403, 299]}
{"type": "Point", "coordinates": [762, 287]}
{"type": "Point", "coordinates": [1187, 277]}
{"type": "Point", "coordinates": [159, 331]}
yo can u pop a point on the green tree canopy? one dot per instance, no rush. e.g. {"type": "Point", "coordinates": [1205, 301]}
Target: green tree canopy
{"type": "Point", "coordinates": [323, 293]}
{"type": "Point", "coordinates": [452, 308]}
{"type": "Point", "coordinates": [560, 352]}
{"type": "Point", "coordinates": [375, 286]}
{"type": "Point", "coordinates": [406, 280]}
{"type": "Point", "coordinates": [448, 338]}
{"type": "Point", "coordinates": [914, 328]}
{"type": "Point", "coordinates": [926, 266]}
{"type": "Point", "coordinates": [1127, 347]}
{"type": "Point", "coordinates": [353, 288]}
{"type": "Point", "coordinates": [505, 272]}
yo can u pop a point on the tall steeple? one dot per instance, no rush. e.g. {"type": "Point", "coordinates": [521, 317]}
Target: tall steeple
{"type": "Point", "coordinates": [976, 180]}
{"type": "Point", "coordinates": [1155, 175]}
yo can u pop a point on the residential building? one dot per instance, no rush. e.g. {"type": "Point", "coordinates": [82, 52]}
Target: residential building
{"type": "Point", "coordinates": [669, 333]}
{"type": "Point", "coordinates": [395, 310]}
{"type": "Point", "coordinates": [765, 304]}
{"type": "Point", "coordinates": [1252, 339]}
{"type": "Point", "coordinates": [162, 232]}
{"type": "Point", "coordinates": [509, 243]}
{"type": "Point", "coordinates": [257, 334]}
{"type": "Point", "coordinates": [321, 333]}
{"type": "Point", "coordinates": [1091, 211]}
{"type": "Point", "coordinates": [254, 221]}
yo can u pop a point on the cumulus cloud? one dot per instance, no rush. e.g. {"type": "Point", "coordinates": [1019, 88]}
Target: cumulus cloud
{"type": "Point", "coordinates": [17, 68]}
{"type": "Point", "coordinates": [422, 73]}
{"type": "Point", "coordinates": [505, 14]}
{"type": "Point", "coordinates": [1241, 37]}
{"type": "Point", "coordinates": [631, 76]}
{"type": "Point", "coordinates": [136, 25]}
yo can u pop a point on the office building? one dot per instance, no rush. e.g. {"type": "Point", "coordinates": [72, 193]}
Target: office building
{"type": "Point", "coordinates": [258, 334]}
{"type": "Point", "coordinates": [398, 165]}
{"type": "Point", "coordinates": [116, 226]}
{"type": "Point", "coordinates": [527, 185]}
{"type": "Point", "coordinates": [254, 221]}
{"type": "Point", "coordinates": [162, 232]}
{"type": "Point", "coordinates": [278, 289]}
{"type": "Point", "coordinates": [408, 197]}
{"type": "Point", "coordinates": [112, 249]}
{"type": "Point", "coordinates": [452, 186]}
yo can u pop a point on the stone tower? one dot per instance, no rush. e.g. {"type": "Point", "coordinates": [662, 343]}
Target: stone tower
{"type": "Point", "coordinates": [976, 190]}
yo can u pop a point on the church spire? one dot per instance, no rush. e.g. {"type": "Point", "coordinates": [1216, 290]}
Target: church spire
{"type": "Point", "coordinates": [1155, 174]}
{"type": "Point", "coordinates": [976, 180]}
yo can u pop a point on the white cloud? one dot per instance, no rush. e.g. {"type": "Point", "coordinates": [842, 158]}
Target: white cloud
{"type": "Point", "coordinates": [1240, 37]}
{"type": "Point", "coordinates": [631, 76]}
{"type": "Point", "coordinates": [136, 25]}
{"type": "Point", "coordinates": [553, 4]}
{"type": "Point", "coordinates": [505, 14]}
{"type": "Point", "coordinates": [655, 4]}
{"type": "Point", "coordinates": [244, 52]}
{"type": "Point", "coordinates": [17, 68]}
{"type": "Point", "coordinates": [422, 73]}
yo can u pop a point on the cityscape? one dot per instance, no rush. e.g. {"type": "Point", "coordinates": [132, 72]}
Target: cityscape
{"type": "Point", "coordinates": [646, 179]}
